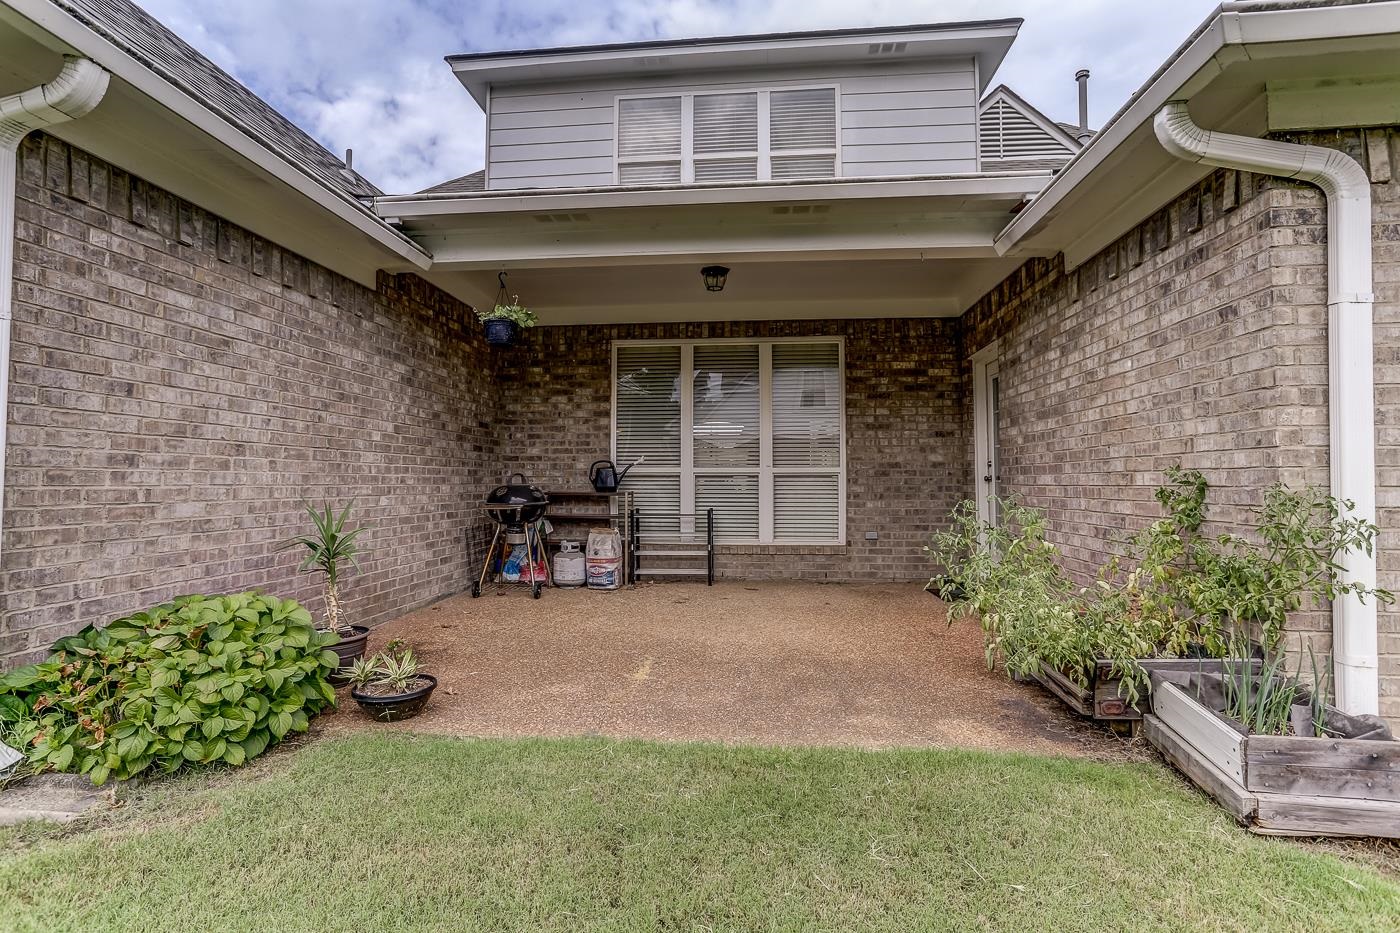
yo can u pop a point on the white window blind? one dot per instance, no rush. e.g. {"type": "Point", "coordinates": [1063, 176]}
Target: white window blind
{"type": "Point", "coordinates": [649, 140]}
{"type": "Point", "coordinates": [802, 133]}
{"type": "Point", "coordinates": [737, 136]}
{"type": "Point", "coordinates": [751, 429]}
{"type": "Point", "coordinates": [648, 412]}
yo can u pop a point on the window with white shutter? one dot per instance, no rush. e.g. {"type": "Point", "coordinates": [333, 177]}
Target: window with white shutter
{"type": "Point", "coordinates": [751, 429]}
{"type": "Point", "coordinates": [649, 140]}
{"type": "Point", "coordinates": [753, 135]}
{"type": "Point", "coordinates": [802, 135]}
{"type": "Point", "coordinates": [724, 137]}
{"type": "Point", "coordinates": [648, 415]}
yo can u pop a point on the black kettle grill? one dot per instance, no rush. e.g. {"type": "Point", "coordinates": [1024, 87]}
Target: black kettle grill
{"type": "Point", "coordinates": [604, 476]}
{"type": "Point", "coordinates": [516, 504]}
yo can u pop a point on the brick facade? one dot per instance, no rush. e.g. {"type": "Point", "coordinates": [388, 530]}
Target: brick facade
{"type": "Point", "coordinates": [905, 405]}
{"type": "Point", "coordinates": [1198, 338]}
{"type": "Point", "coordinates": [180, 385]}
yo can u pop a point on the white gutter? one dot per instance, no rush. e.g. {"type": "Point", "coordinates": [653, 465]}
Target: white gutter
{"type": "Point", "coordinates": [77, 89]}
{"type": "Point", "coordinates": [1350, 358]}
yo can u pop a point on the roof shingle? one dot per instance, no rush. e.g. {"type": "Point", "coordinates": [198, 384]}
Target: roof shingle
{"type": "Point", "coordinates": [140, 35]}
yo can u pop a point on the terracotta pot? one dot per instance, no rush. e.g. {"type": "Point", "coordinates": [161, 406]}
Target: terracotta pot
{"type": "Point", "coordinates": [350, 649]}
{"type": "Point", "coordinates": [396, 706]}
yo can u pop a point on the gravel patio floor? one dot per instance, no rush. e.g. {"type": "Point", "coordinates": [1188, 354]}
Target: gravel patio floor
{"type": "Point", "coordinates": [770, 663]}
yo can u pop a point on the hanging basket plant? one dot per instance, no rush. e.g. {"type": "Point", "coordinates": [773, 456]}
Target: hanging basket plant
{"type": "Point", "coordinates": [504, 321]}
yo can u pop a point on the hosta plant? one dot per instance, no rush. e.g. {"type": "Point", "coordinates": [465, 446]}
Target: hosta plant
{"type": "Point", "coordinates": [202, 679]}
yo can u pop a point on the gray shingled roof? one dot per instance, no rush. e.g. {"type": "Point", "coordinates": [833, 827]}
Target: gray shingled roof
{"type": "Point", "coordinates": [476, 181]}
{"type": "Point", "coordinates": [140, 35]}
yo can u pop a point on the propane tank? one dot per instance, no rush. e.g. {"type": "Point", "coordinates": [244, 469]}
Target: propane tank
{"type": "Point", "coordinates": [569, 565]}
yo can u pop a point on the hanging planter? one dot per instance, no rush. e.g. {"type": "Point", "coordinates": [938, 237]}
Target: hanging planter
{"type": "Point", "coordinates": [502, 324]}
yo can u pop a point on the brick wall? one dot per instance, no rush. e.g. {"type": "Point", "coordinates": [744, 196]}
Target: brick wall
{"type": "Point", "coordinates": [179, 385]}
{"type": "Point", "coordinates": [1198, 338]}
{"type": "Point", "coordinates": [905, 404]}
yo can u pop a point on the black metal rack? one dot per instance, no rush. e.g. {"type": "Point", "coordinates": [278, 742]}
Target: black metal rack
{"type": "Point", "coordinates": [678, 539]}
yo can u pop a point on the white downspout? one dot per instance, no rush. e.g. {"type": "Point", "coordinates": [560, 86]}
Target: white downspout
{"type": "Point", "coordinates": [77, 89]}
{"type": "Point", "coordinates": [1350, 358]}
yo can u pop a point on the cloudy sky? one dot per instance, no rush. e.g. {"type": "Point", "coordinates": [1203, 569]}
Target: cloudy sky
{"type": "Point", "coordinates": [369, 74]}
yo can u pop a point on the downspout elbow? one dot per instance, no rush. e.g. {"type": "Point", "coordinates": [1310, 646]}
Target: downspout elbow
{"type": "Point", "coordinates": [76, 90]}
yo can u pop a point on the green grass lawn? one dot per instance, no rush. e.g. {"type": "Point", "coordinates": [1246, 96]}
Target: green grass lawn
{"type": "Point", "coordinates": [389, 832]}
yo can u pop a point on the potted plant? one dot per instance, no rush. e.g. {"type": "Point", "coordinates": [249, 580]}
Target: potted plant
{"type": "Point", "coordinates": [504, 321]}
{"type": "Point", "coordinates": [330, 549]}
{"type": "Point", "coordinates": [391, 686]}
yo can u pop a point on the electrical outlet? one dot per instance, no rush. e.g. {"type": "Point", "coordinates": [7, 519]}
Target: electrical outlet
{"type": "Point", "coordinates": [872, 536]}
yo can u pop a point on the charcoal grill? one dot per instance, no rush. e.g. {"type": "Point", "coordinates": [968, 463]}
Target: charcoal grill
{"type": "Point", "coordinates": [517, 509]}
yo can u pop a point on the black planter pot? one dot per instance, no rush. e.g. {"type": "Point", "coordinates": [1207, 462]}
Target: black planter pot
{"type": "Point", "coordinates": [501, 333]}
{"type": "Point", "coordinates": [350, 649]}
{"type": "Point", "coordinates": [397, 706]}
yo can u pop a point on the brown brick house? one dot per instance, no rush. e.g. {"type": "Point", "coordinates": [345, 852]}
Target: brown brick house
{"type": "Point", "coordinates": [929, 283]}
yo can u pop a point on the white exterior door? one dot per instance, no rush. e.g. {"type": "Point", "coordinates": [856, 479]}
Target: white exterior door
{"type": "Point", "coordinates": [986, 401]}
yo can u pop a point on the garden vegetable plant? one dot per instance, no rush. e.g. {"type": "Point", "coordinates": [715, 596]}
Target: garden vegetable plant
{"type": "Point", "coordinates": [1174, 592]}
{"type": "Point", "coordinates": [202, 679]}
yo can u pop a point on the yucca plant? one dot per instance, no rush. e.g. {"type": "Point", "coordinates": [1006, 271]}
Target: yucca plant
{"type": "Point", "coordinates": [329, 550]}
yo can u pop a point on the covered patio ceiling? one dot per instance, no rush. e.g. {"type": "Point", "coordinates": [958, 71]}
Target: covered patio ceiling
{"type": "Point", "coordinates": [910, 247]}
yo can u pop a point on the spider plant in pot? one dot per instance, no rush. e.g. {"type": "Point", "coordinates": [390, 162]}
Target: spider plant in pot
{"type": "Point", "coordinates": [391, 686]}
{"type": "Point", "coordinates": [331, 549]}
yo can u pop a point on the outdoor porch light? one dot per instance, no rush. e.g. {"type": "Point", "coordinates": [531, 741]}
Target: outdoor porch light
{"type": "Point", "coordinates": [714, 277]}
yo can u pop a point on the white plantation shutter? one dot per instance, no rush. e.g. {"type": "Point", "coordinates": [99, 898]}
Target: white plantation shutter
{"type": "Point", "coordinates": [717, 137]}
{"type": "Point", "coordinates": [803, 166]}
{"type": "Point", "coordinates": [735, 501]}
{"type": "Point", "coordinates": [649, 173]}
{"type": "Point", "coordinates": [726, 123]}
{"type": "Point", "coordinates": [806, 507]}
{"type": "Point", "coordinates": [649, 405]}
{"type": "Point", "coordinates": [726, 169]}
{"type": "Point", "coordinates": [802, 133]}
{"type": "Point", "coordinates": [726, 425]}
{"type": "Point", "coordinates": [807, 405]}
{"type": "Point", "coordinates": [658, 498]}
{"type": "Point", "coordinates": [649, 127]}
{"type": "Point", "coordinates": [649, 141]}
{"type": "Point", "coordinates": [763, 447]}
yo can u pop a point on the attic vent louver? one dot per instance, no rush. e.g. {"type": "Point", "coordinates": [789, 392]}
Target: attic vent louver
{"type": "Point", "coordinates": [886, 48]}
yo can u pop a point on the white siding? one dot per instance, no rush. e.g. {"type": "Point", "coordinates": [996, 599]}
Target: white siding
{"type": "Point", "coordinates": [895, 119]}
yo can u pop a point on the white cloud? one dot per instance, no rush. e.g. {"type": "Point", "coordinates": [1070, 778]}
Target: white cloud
{"type": "Point", "coordinates": [369, 74]}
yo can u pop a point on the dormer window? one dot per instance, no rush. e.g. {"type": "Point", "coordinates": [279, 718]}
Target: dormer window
{"type": "Point", "coordinates": [733, 136]}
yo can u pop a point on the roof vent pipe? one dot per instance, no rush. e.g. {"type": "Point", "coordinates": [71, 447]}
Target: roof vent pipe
{"type": "Point", "coordinates": [1082, 76]}
{"type": "Point", "coordinates": [1351, 400]}
{"type": "Point", "coordinates": [78, 88]}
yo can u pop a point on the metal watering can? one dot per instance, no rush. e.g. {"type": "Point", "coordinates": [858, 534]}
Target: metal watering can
{"type": "Point", "coordinates": [604, 476]}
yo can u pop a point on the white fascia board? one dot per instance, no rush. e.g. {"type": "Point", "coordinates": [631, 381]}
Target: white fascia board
{"type": "Point", "coordinates": [988, 42]}
{"type": "Point", "coordinates": [78, 38]}
{"type": "Point", "coordinates": [1001, 186]}
{"type": "Point", "coordinates": [1224, 38]}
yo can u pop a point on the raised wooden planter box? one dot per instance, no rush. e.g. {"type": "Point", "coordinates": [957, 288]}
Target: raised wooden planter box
{"type": "Point", "coordinates": [1279, 785]}
{"type": "Point", "coordinates": [1101, 699]}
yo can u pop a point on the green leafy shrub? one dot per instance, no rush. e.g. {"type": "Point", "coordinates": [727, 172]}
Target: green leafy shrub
{"type": "Point", "coordinates": [511, 310]}
{"type": "Point", "coordinates": [1173, 593]}
{"type": "Point", "coordinates": [202, 679]}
